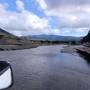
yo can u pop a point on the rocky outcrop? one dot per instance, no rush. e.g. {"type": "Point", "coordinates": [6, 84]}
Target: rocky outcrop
{"type": "Point", "coordinates": [85, 50]}
{"type": "Point", "coordinates": [87, 38]}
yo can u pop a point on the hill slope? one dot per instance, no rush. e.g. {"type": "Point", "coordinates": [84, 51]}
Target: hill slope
{"type": "Point", "coordinates": [7, 38]}
{"type": "Point", "coordinates": [5, 33]}
{"type": "Point", "coordinates": [54, 38]}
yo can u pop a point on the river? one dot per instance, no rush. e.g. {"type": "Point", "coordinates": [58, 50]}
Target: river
{"type": "Point", "coordinates": [46, 68]}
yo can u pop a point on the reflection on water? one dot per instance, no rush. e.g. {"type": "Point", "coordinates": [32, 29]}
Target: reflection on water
{"type": "Point", "coordinates": [45, 68]}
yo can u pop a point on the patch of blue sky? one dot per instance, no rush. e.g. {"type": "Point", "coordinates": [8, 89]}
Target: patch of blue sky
{"type": "Point", "coordinates": [11, 4]}
{"type": "Point", "coordinates": [32, 6]}
{"type": "Point", "coordinates": [53, 22]}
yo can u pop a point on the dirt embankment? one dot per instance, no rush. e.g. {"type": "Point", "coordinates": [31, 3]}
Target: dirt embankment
{"type": "Point", "coordinates": [77, 48]}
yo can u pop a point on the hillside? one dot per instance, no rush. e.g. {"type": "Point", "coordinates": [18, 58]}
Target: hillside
{"type": "Point", "coordinates": [9, 41]}
{"type": "Point", "coordinates": [87, 38]}
{"type": "Point", "coordinates": [7, 38]}
{"type": "Point", "coordinates": [53, 38]}
{"type": "Point", "coordinates": [5, 33]}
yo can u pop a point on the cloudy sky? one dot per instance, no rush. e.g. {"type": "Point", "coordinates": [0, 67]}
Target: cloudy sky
{"type": "Point", "coordinates": [34, 17]}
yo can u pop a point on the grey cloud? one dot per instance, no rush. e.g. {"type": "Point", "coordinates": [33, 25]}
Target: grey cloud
{"type": "Point", "coordinates": [82, 22]}
{"type": "Point", "coordinates": [69, 13]}
{"type": "Point", "coordinates": [58, 3]}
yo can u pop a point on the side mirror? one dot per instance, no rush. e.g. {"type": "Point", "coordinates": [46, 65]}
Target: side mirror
{"type": "Point", "coordinates": [6, 76]}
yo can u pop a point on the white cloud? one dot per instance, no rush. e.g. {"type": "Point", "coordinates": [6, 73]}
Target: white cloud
{"type": "Point", "coordinates": [55, 32]}
{"type": "Point", "coordinates": [71, 17]}
{"type": "Point", "coordinates": [37, 23]}
{"type": "Point", "coordinates": [69, 13]}
{"type": "Point", "coordinates": [42, 4]}
{"type": "Point", "coordinates": [20, 5]}
{"type": "Point", "coordinates": [74, 31]}
{"type": "Point", "coordinates": [25, 21]}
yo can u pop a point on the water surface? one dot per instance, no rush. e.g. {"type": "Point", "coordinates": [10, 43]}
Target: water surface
{"type": "Point", "coordinates": [46, 68]}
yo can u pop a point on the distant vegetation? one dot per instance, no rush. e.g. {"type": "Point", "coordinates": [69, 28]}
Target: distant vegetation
{"type": "Point", "coordinates": [47, 42]}
{"type": "Point", "coordinates": [53, 39]}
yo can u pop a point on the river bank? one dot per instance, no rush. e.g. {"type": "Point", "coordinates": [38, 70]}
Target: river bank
{"type": "Point", "coordinates": [81, 49]}
{"type": "Point", "coordinates": [24, 46]}
{"type": "Point", "coordinates": [16, 47]}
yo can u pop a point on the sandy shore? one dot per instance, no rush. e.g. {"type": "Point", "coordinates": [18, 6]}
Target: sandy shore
{"type": "Point", "coordinates": [72, 49]}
